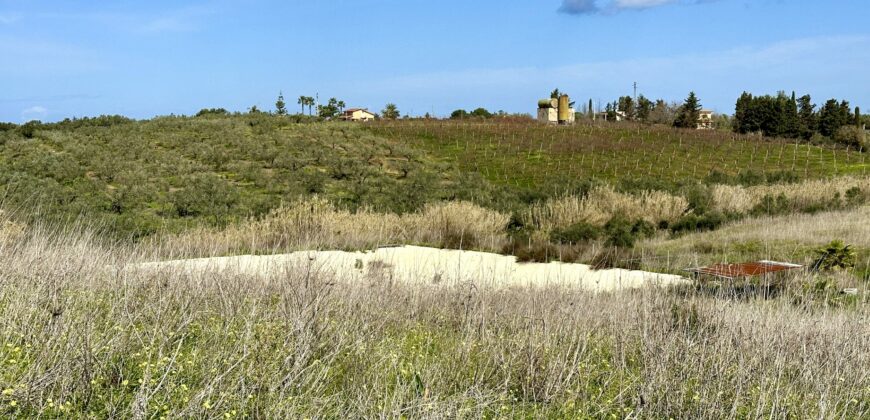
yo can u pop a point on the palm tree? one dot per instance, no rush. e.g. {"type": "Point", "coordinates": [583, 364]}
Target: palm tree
{"type": "Point", "coordinates": [303, 100]}
{"type": "Point", "coordinates": [311, 103]}
{"type": "Point", "coordinates": [390, 112]}
{"type": "Point", "coordinates": [340, 106]}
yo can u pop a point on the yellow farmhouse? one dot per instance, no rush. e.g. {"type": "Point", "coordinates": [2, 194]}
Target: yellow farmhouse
{"type": "Point", "coordinates": [357, 114]}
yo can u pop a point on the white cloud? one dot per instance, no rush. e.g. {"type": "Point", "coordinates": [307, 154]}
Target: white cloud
{"type": "Point", "coordinates": [34, 113]}
{"type": "Point", "coordinates": [23, 56]}
{"type": "Point", "coordinates": [183, 19]}
{"type": "Point", "coordinates": [8, 19]}
{"type": "Point", "coordinates": [822, 66]}
{"type": "Point", "coordinates": [588, 7]}
{"type": "Point", "coordinates": [186, 19]}
{"type": "Point", "coordinates": [639, 4]}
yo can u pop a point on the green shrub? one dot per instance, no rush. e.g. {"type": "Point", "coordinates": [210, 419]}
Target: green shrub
{"type": "Point", "coordinates": [28, 130]}
{"type": "Point", "coordinates": [822, 290]}
{"type": "Point", "coordinates": [718, 177]}
{"type": "Point", "coordinates": [219, 112]}
{"type": "Point", "coordinates": [576, 233]}
{"type": "Point", "coordinates": [99, 121]}
{"type": "Point", "coordinates": [515, 223]}
{"type": "Point", "coordinates": [618, 230]}
{"type": "Point", "coordinates": [700, 198]}
{"type": "Point", "coordinates": [835, 256]}
{"type": "Point", "coordinates": [855, 196]}
{"type": "Point", "coordinates": [852, 137]}
{"type": "Point", "coordinates": [782, 177]}
{"type": "Point", "coordinates": [698, 223]}
{"type": "Point", "coordinates": [643, 229]}
{"type": "Point", "coordinates": [749, 178]}
{"type": "Point", "coordinates": [771, 205]}
{"type": "Point", "coordinates": [205, 195]}
{"type": "Point", "coordinates": [623, 233]}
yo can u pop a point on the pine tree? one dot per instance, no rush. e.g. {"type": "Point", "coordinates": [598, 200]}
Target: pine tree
{"type": "Point", "coordinates": [644, 108]}
{"type": "Point", "coordinates": [280, 106]}
{"type": "Point", "coordinates": [689, 112]}
{"type": "Point", "coordinates": [832, 116]}
{"type": "Point", "coordinates": [807, 117]}
{"type": "Point", "coordinates": [626, 106]}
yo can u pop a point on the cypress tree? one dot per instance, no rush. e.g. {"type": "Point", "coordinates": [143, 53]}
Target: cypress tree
{"type": "Point", "coordinates": [807, 117]}
{"type": "Point", "coordinates": [790, 127]}
{"type": "Point", "coordinates": [858, 117]}
{"type": "Point", "coordinates": [590, 110]}
{"type": "Point", "coordinates": [741, 111]}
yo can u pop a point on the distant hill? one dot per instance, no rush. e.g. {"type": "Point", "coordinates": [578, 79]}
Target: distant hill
{"type": "Point", "coordinates": [170, 173]}
{"type": "Point", "coordinates": [136, 177]}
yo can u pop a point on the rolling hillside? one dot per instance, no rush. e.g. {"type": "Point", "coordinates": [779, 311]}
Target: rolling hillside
{"type": "Point", "coordinates": [527, 154]}
{"type": "Point", "coordinates": [135, 178]}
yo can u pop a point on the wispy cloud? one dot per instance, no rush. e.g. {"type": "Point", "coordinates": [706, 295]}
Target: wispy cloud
{"type": "Point", "coordinates": [587, 7]}
{"type": "Point", "coordinates": [25, 56]}
{"type": "Point", "coordinates": [51, 98]}
{"type": "Point", "coordinates": [34, 113]}
{"type": "Point", "coordinates": [187, 19]}
{"type": "Point", "coordinates": [8, 19]}
{"type": "Point", "coordinates": [184, 19]}
{"type": "Point", "coordinates": [808, 65]}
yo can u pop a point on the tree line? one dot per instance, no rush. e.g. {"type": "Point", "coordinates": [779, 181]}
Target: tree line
{"type": "Point", "coordinates": [642, 109]}
{"type": "Point", "coordinates": [332, 108]}
{"type": "Point", "coordinates": [797, 118]}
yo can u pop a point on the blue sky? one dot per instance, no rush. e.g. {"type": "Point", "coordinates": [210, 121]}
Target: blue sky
{"type": "Point", "coordinates": [82, 58]}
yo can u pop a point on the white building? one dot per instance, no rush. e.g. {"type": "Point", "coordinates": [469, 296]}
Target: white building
{"type": "Point", "coordinates": [705, 120]}
{"type": "Point", "coordinates": [617, 116]}
{"type": "Point", "coordinates": [548, 111]}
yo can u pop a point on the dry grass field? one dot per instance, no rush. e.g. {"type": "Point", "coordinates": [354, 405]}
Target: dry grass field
{"type": "Point", "coordinates": [82, 337]}
{"type": "Point", "coordinates": [87, 333]}
{"type": "Point", "coordinates": [781, 238]}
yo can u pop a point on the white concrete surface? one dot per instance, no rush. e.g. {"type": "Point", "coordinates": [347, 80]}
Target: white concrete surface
{"type": "Point", "coordinates": [420, 265]}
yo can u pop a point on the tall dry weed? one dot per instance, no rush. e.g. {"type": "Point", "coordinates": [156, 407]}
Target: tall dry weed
{"type": "Point", "coordinates": [82, 338]}
{"type": "Point", "coordinates": [806, 194]}
{"type": "Point", "coordinates": [601, 204]}
{"type": "Point", "coordinates": [9, 229]}
{"type": "Point", "coordinates": [317, 224]}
